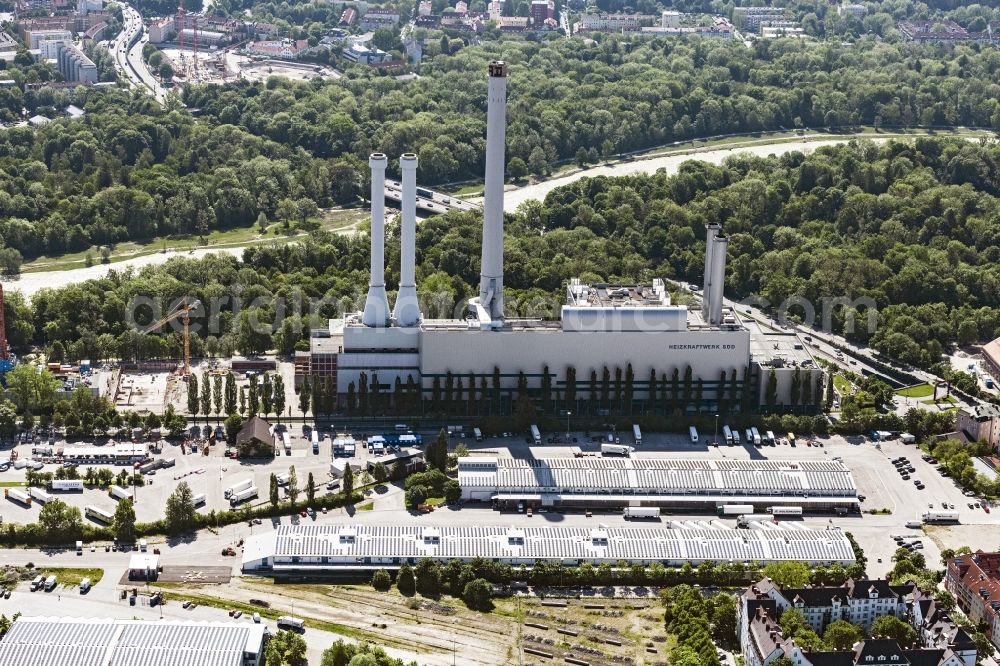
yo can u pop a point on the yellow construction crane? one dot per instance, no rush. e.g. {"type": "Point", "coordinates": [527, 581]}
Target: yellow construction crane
{"type": "Point", "coordinates": [184, 311]}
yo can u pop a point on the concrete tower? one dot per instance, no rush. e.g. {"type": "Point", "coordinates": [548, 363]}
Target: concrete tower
{"type": "Point", "coordinates": [712, 230]}
{"type": "Point", "coordinates": [491, 270]}
{"type": "Point", "coordinates": [407, 311]}
{"type": "Point", "coordinates": [720, 244]}
{"type": "Point", "coordinates": [377, 304]}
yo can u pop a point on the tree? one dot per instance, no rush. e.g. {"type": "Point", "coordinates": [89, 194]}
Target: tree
{"type": "Point", "coordinates": [310, 489]}
{"type": "Point", "coordinates": [278, 388]}
{"type": "Point", "coordinates": [452, 491]}
{"type": "Point", "coordinates": [192, 397]}
{"type": "Point", "coordinates": [230, 393]}
{"type": "Point", "coordinates": [347, 482]}
{"type": "Point", "coordinates": [180, 512]}
{"type": "Point", "coordinates": [123, 524]}
{"type": "Point", "coordinates": [517, 169]}
{"type": "Point", "coordinates": [31, 386]}
{"type": "Point", "coordinates": [841, 635]}
{"type": "Point", "coordinates": [8, 419]}
{"type": "Point", "coordinates": [206, 394]}
{"type": "Point", "coordinates": [266, 395]}
{"type": "Point", "coordinates": [428, 577]}
{"type": "Point", "coordinates": [415, 496]}
{"type": "Point", "coordinates": [781, 661]}
{"type": "Point", "coordinates": [405, 582]}
{"type": "Point", "coordinates": [59, 521]}
{"type": "Point", "coordinates": [217, 395]}
{"type": "Point", "coordinates": [477, 595]}
{"type": "Point", "coordinates": [437, 452]}
{"type": "Point", "coordinates": [305, 395]}
{"type": "Point", "coordinates": [788, 574]}
{"type": "Point", "coordinates": [293, 485]}
{"type": "Point", "coordinates": [724, 617]}
{"type": "Point", "coordinates": [381, 580]}
{"type": "Point", "coordinates": [285, 649]}
{"type": "Point", "coordinates": [379, 473]}
{"type": "Point", "coordinates": [273, 494]}
{"type": "Point", "coordinates": [889, 626]}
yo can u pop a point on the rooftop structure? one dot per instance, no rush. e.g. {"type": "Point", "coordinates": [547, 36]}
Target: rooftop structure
{"type": "Point", "coordinates": [58, 641]}
{"type": "Point", "coordinates": [331, 548]}
{"type": "Point", "coordinates": [656, 482]}
{"type": "Point", "coordinates": [946, 32]}
{"type": "Point", "coordinates": [980, 422]}
{"type": "Point", "coordinates": [975, 581]}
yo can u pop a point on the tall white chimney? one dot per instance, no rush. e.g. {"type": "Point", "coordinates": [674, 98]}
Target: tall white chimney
{"type": "Point", "coordinates": [719, 247]}
{"type": "Point", "coordinates": [712, 230]}
{"type": "Point", "coordinates": [407, 311]}
{"type": "Point", "coordinates": [491, 270]}
{"type": "Point", "coordinates": [376, 312]}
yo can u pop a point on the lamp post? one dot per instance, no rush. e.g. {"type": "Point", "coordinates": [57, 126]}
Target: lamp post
{"type": "Point", "coordinates": [716, 429]}
{"type": "Point", "coordinates": [568, 414]}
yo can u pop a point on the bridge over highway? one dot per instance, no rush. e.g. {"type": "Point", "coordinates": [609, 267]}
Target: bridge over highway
{"type": "Point", "coordinates": [428, 200]}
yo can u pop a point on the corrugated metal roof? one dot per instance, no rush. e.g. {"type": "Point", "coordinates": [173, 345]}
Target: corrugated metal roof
{"type": "Point", "coordinates": [56, 641]}
{"type": "Point", "coordinates": [659, 475]}
{"type": "Point", "coordinates": [350, 545]}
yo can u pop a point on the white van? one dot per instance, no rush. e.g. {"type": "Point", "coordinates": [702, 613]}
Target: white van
{"type": "Point", "coordinates": [37, 582]}
{"type": "Point", "coordinates": [50, 583]}
{"type": "Point", "coordinates": [84, 585]}
{"type": "Point", "coordinates": [478, 433]}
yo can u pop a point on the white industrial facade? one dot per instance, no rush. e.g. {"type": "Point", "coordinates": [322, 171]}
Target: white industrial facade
{"type": "Point", "coordinates": [301, 549]}
{"type": "Point", "coordinates": [670, 483]}
{"type": "Point", "coordinates": [66, 641]}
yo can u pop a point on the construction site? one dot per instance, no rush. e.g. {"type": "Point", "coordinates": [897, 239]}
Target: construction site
{"type": "Point", "coordinates": [211, 49]}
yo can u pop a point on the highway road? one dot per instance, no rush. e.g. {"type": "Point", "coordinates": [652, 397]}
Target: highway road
{"type": "Point", "coordinates": [126, 48]}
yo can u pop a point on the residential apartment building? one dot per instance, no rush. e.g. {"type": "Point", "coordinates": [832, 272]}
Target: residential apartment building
{"type": "Point", "coordinates": [980, 422]}
{"type": "Point", "coordinates": [286, 49]}
{"type": "Point", "coordinates": [74, 65]}
{"type": "Point", "coordinates": [751, 18]}
{"type": "Point", "coordinates": [38, 36]}
{"type": "Point", "coordinates": [859, 602]}
{"type": "Point", "coordinates": [542, 10]}
{"type": "Point", "coordinates": [613, 22]}
{"type": "Point", "coordinates": [852, 9]}
{"type": "Point", "coordinates": [379, 17]}
{"type": "Point", "coordinates": [975, 581]}
{"type": "Point", "coordinates": [991, 358]}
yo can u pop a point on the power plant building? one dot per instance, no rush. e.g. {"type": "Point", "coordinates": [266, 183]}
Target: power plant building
{"type": "Point", "coordinates": [600, 326]}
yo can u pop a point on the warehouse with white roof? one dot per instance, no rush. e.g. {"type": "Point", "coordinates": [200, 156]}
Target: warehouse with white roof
{"type": "Point", "coordinates": [328, 549]}
{"type": "Point", "coordinates": [676, 484]}
{"type": "Point", "coordinates": [68, 641]}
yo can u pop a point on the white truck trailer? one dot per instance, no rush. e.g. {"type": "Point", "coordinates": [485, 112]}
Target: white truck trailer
{"type": "Point", "coordinates": [642, 512]}
{"type": "Point", "coordinates": [616, 450]}
{"type": "Point", "coordinates": [785, 510]}
{"type": "Point", "coordinates": [66, 485]}
{"type": "Point", "coordinates": [40, 495]}
{"type": "Point", "coordinates": [17, 495]}
{"type": "Point", "coordinates": [636, 434]}
{"type": "Point", "coordinates": [693, 433]}
{"type": "Point", "coordinates": [235, 488]}
{"type": "Point", "coordinates": [243, 495]}
{"type": "Point", "coordinates": [536, 436]}
{"type": "Point", "coordinates": [198, 499]}
{"type": "Point", "coordinates": [940, 516]}
{"type": "Point", "coordinates": [727, 432]}
{"type": "Point", "coordinates": [735, 509]}
{"type": "Point", "coordinates": [119, 493]}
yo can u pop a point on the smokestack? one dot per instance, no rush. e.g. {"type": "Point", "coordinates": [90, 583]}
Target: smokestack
{"type": "Point", "coordinates": [377, 304]}
{"type": "Point", "coordinates": [719, 247]}
{"type": "Point", "coordinates": [407, 312]}
{"type": "Point", "coordinates": [491, 270]}
{"type": "Point", "coordinates": [712, 231]}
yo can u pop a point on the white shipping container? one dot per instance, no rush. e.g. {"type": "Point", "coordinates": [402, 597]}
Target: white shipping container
{"type": "Point", "coordinates": [616, 450]}
{"type": "Point", "coordinates": [735, 509]}
{"type": "Point", "coordinates": [648, 512]}
{"type": "Point", "coordinates": [785, 510]}
{"type": "Point", "coordinates": [243, 495]}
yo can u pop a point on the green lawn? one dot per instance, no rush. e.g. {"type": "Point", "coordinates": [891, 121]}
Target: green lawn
{"type": "Point", "coordinates": [917, 391]}
{"type": "Point", "coordinates": [367, 506]}
{"type": "Point", "coordinates": [842, 384]}
{"type": "Point", "coordinates": [71, 576]}
{"type": "Point", "coordinates": [949, 399]}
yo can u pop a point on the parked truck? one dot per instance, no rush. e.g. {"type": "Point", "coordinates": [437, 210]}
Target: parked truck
{"type": "Point", "coordinates": [693, 433]}
{"type": "Point", "coordinates": [785, 510]}
{"type": "Point", "coordinates": [198, 499]}
{"type": "Point", "coordinates": [243, 495]}
{"type": "Point", "coordinates": [536, 436]}
{"type": "Point", "coordinates": [743, 521]}
{"type": "Point", "coordinates": [757, 441]}
{"type": "Point", "coordinates": [616, 450]}
{"type": "Point", "coordinates": [727, 432]}
{"type": "Point", "coordinates": [287, 440]}
{"type": "Point", "coordinates": [735, 509]}
{"type": "Point", "coordinates": [940, 516]}
{"type": "Point", "coordinates": [40, 495]}
{"type": "Point", "coordinates": [636, 434]}
{"type": "Point", "coordinates": [17, 495]}
{"type": "Point", "coordinates": [66, 485]}
{"type": "Point", "coordinates": [118, 492]}
{"type": "Point", "coordinates": [642, 513]}
{"type": "Point", "coordinates": [242, 485]}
